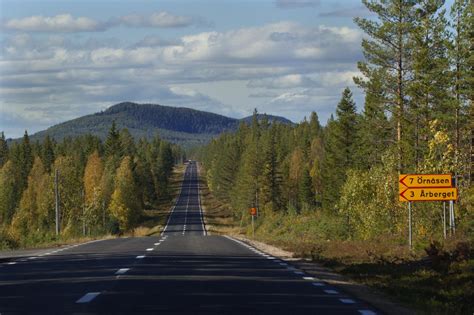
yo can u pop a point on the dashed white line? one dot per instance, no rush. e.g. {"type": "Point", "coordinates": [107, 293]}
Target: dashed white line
{"type": "Point", "coordinates": [299, 273]}
{"type": "Point", "coordinates": [308, 278]}
{"type": "Point", "coordinates": [156, 244]}
{"type": "Point", "coordinates": [122, 271]}
{"type": "Point", "coordinates": [88, 297]}
{"type": "Point", "coordinates": [318, 284]}
{"type": "Point", "coordinates": [347, 301]}
{"type": "Point", "coordinates": [140, 257]}
{"type": "Point", "coordinates": [149, 249]}
{"type": "Point", "coordinates": [12, 263]}
{"type": "Point", "coordinates": [331, 291]}
{"type": "Point", "coordinates": [367, 312]}
{"type": "Point", "coordinates": [283, 264]}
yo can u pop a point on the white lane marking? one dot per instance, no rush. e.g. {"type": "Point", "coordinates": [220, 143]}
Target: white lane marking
{"type": "Point", "coordinates": [308, 278]}
{"type": "Point", "coordinates": [347, 301]}
{"type": "Point", "coordinates": [140, 257]}
{"type": "Point", "coordinates": [156, 244]}
{"type": "Point", "coordinates": [32, 258]}
{"type": "Point", "coordinates": [271, 258]}
{"type": "Point", "coordinates": [174, 207]}
{"type": "Point", "coordinates": [283, 264]}
{"type": "Point", "coordinates": [367, 312]}
{"type": "Point", "coordinates": [277, 261]}
{"type": "Point", "coordinates": [12, 263]}
{"type": "Point", "coordinates": [88, 297]}
{"type": "Point", "coordinates": [149, 249]}
{"type": "Point", "coordinates": [204, 232]}
{"type": "Point", "coordinates": [23, 260]}
{"type": "Point", "coordinates": [299, 273]}
{"type": "Point", "coordinates": [331, 291]}
{"type": "Point", "coordinates": [318, 284]}
{"type": "Point", "coordinates": [291, 268]}
{"type": "Point", "coordinates": [122, 271]}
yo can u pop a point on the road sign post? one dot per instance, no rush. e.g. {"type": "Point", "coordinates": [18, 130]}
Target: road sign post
{"type": "Point", "coordinates": [428, 187]}
{"type": "Point", "coordinates": [409, 226]}
{"type": "Point", "coordinates": [253, 213]}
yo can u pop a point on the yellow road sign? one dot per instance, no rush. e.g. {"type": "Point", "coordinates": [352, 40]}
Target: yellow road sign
{"type": "Point", "coordinates": [424, 181]}
{"type": "Point", "coordinates": [428, 194]}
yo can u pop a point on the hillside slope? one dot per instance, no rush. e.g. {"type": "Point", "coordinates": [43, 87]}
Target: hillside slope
{"type": "Point", "coordinates": [184, 126]}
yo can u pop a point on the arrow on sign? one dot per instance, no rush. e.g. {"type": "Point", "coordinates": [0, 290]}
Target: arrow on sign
{"type": "Point", "coordinates": [425, 180]}
{"type": "Point", "coordinates": [428, 194]}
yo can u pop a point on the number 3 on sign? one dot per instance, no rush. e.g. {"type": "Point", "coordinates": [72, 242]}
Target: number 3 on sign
{"type": "Point", "coordinates": [412, 194]}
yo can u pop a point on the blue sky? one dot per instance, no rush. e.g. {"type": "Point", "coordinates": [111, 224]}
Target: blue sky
{"type": "Point", "coordinates": [64, 59]}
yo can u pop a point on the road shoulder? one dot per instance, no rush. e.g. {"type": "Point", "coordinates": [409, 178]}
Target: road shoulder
{"type": "Point", "coordinates": [362, 292]}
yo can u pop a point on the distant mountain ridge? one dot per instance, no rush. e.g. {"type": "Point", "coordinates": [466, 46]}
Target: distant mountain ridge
{"type": "Point", "coordinates": [180, 125]}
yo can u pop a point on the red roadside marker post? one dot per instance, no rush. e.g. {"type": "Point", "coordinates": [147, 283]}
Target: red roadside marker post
{"type": "Point", "coordinates": [253, 213]}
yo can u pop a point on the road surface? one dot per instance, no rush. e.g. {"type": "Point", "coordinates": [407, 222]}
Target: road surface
{"type": "Point", "coordinates": [184, 271]}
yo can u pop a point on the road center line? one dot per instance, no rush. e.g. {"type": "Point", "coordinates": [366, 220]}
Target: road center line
{"type": "Point", "coordinates": [88, 297]}
{"type": "Point", "coordinates": [140, 257]}
{"type": "Point", "coordinates": [122, 271]}
{"type": "Point", "coordinates": [331, 292]}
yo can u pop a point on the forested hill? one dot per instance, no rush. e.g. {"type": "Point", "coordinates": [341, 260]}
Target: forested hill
{"type": "Point", "coordinates": [176, 124]}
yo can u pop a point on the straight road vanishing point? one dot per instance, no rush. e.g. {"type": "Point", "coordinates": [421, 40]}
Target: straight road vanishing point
{"type": "Point", "coordinates": [185, 271]}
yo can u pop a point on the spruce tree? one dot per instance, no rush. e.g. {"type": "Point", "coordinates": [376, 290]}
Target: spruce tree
{"type": "Point", "coordinates": [306, 192]}
{"type": "Point", "coordinates": [374, 132]}
{"type": "Point", "coordinates": [270, 185]}
{"type": "Point", "coordinates": [346, 130]}
{"type": "Point", "coordinates": [47, 153]}
{"type": "Point", "coordinates": [3, 150]}
{"type": "Point", "coordinates": [113, 145]}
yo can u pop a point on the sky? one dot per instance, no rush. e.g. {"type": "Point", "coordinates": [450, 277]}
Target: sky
{"type": "Point", "coordinates": [67, 58]}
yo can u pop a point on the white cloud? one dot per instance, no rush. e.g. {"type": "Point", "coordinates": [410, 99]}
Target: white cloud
{"type": "Point", "coordinates": [157, 19]}
{"type": "Point", "coordinates": [58, 23]}
{"type": "Point", "coordinates": [66, 23]}
{"type": "Point", "coordinates": [291, 4]}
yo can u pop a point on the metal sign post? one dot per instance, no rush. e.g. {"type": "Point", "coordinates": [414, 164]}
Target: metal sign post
{"type": "Point", "coordinates": [409, 226]}
{"type": "Point", "coordinates": [56, 193]}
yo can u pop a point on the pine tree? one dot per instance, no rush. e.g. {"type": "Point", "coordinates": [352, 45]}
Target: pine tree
{"type": "Point", "coordinates": [125, 206]}
{"type": "Point", "coordinates": [462, 60]}
{"type": "Point", "coordinates": [429, 88]}
{"type": "Point", "coordinates": [3, 150]}
{"type": "Point", "coordinates": [47, 153]}
{"type": "Point", "coordinates": [390, 50]}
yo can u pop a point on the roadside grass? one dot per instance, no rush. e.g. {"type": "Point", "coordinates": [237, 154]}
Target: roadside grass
{"type": "Point", "coordinates": [439, 283]}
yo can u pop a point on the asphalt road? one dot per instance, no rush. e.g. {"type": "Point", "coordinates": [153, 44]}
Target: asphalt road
{"type": "Point", "coordinates": [184, 271]}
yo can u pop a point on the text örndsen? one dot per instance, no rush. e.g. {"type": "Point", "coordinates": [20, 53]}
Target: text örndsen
{"type": "Point", "coordinates": [420, 180]}
{"type": "Point", "coordinates": [431, 194]}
